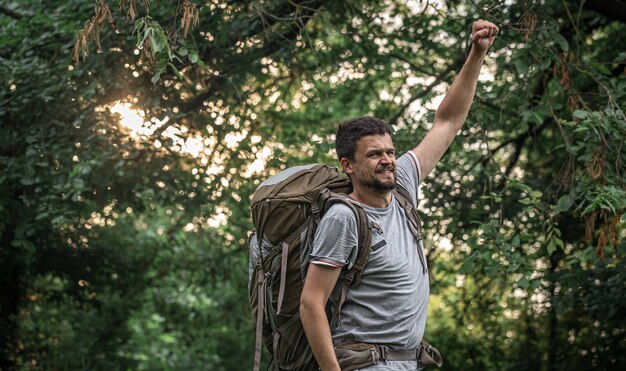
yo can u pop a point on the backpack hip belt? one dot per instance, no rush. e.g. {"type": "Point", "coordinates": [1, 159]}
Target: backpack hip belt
{"type": "Point", "coordinates": [359, 355]}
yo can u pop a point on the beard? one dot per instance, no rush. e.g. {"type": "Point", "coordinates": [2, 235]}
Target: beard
{"type": "Point", "coordinates": [378, 185]}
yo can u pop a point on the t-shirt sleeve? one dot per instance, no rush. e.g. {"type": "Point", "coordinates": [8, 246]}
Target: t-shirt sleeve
{"type": "Point", "coordinates": [335, 241]}
{"type": "Point", "coordinates": [409, 174]}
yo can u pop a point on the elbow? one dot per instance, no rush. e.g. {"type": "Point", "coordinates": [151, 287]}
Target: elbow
{"type": "Point", "coordinates": [309, 306]}
{"type": "Point", "coordinates": [448, 122]}
{"type": "Point", "coordinates": [442, 117]}
{"type": "Point", "coordinates": [305, 305]}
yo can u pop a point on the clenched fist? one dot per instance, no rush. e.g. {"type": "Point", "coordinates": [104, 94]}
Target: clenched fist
{"type": "Point", "coordinates": [483, 34]}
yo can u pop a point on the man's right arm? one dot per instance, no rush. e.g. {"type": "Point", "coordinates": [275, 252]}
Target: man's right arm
{"type": "Point", "coordinates": [318, 286]}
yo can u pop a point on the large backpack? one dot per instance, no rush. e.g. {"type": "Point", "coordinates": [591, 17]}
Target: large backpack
{"type": "Point", "coordinates": [286, 210]}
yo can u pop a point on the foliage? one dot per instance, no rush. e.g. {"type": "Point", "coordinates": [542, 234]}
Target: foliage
{"type": "Point", "coordinates": [126, 177]}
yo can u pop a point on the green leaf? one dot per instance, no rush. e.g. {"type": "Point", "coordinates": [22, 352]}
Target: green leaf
{"type": "Point", "coordinates": [175, 70]}
{"type": "Point", "coordinates": [193, 57]}
{"type": "Point", "coordinates": [58, 220]}
{"type": "Point", "coordinates": [521, 66]}
{"type": "Point", "coordinates": [601, 68]}
{"type": "Point", "coordinates": [564, 203]}
{"type": "Point", "coordinates": [468, 266]}
{"type": "Point", "coordinates": [545, 63]}
{"type": "Point", "coordinates": [523, 283]}
{"type": "Point", "coordinates": [581, 114]}
{"type": "Point", "coordinates": [167, 338]}
{"type": "Point", "coordinates": [156, 47]}
{"type": "Point", "coordinates": [559, 242]}
{"type": "Point", "coordinates": [42, 216]}
{"type": "Point", "coordinates": [516, 241]}
{"type": "Point", "coordinates": [27, 181]}
{"type": "Point", "coordinates": [551, 247]}
{"type": "Point", "coordinates": [161, 65]}
{"type": "Point", "coordinates": [562, 42]}
{"type": "Point", "coordinates": [535, 284]}
{"type": "Point", "coordinates": [78, 183]}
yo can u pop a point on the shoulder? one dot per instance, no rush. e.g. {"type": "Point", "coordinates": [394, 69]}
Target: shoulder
{"type": "Point", "coordinates": [335, 237]}
{"type": "Point", "coordinates": [408, 166]}
{"type": "Point", "coordinates": [409, 175]}
{"type": "Point", "coordinates": [339, 213]}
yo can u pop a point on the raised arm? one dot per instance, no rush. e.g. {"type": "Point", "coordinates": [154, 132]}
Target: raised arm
{"type": "Point", "coordinates": [319, 284]}
{"type": "Point", "coordinates": [455, 106]}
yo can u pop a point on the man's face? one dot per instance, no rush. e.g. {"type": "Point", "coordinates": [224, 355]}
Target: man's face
{"type": "Point", "coordinates": [374, 164]}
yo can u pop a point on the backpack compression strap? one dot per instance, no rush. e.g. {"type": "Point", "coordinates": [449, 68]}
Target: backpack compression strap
{"type": "Point", "coordinates": [262, 286]}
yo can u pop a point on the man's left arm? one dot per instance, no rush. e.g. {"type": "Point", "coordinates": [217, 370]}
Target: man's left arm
{"type": "Point", "coordinates": [455, 106]}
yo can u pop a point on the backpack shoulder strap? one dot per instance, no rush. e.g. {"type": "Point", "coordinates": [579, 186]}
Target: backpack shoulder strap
{"type": "Point", "coordinates": [402, 194]}
{"type": "Point", "coordinates": [364, 229]}
{"type": "Point", "coordinates": [414, 221]}
{"type": "Point", "coordinates": [364, 245]}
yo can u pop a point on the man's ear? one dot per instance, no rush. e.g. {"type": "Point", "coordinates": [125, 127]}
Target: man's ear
{"type": "Point", "coordinates": [346, 164]}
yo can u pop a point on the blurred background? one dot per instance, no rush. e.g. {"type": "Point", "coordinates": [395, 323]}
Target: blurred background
{"type": "Point", "coordinates": [133, 133]}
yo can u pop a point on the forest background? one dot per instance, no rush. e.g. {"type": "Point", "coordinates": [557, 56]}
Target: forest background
{"type": "Point", "coordinates": [134, 132]}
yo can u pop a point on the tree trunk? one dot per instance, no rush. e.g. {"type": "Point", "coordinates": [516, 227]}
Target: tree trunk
{"type": "Point", "coordinates": [553, 335]}
{"type": "Point", "coordinates": [9, 300]}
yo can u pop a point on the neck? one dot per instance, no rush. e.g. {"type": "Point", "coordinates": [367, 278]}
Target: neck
{"type": "Point", "coordinates": [371, 198]}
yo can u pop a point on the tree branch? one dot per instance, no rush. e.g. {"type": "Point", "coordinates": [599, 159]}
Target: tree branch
{"type": "Point", "coordinates": [519, 144]}
{"type": "Point", "coordinates": [411, 64]}
{"type": "Point", "coordinates": [294, 27]}
{"type": "Point", "coordinates": [426, 90]}
{"type": "Point", "coordinates": [518, 140]}
{"type": "Point", "coordinates": [9, 12]}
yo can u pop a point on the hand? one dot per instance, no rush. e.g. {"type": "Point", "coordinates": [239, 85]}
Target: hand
{"type": "Point", "coordinates": [483, 34]}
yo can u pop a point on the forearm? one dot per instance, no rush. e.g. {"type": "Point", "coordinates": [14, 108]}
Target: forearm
{"type": "Point", "coordinates": [457, 102]}
{"type": "Point", "coordinates": [455, 106]}
{"type": "Point", "coordinates": [317, 331]}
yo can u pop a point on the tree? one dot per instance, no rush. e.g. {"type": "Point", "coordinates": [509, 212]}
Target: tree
{"type": "Point", "coordinates": [126, 176]}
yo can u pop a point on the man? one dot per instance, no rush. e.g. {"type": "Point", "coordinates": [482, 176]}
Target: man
{"type": "Point", "coordinates": [389, 306]}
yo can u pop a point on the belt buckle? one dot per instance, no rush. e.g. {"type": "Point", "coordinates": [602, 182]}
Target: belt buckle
{"type": "Point", "coordinates": [383, 352]}
{"type": "Point", "coordinates": [419, 352]}
{"type": "Point", "coordinates": [422, 348]}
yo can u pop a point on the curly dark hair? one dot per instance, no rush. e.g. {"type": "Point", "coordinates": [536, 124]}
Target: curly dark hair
{"type": "Point", "coordinates": [349, 132]}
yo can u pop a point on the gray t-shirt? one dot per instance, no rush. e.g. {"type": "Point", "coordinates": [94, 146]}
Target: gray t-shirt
{"type": "Point", "coordinates": [389, 306]}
